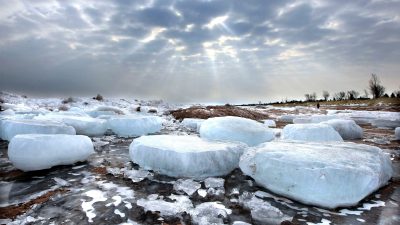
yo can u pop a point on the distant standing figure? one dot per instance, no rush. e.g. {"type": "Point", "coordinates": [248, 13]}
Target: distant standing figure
{"type": "Point", "coordinates": [318, 105]}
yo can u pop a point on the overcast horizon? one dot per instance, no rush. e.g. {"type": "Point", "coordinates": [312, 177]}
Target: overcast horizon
{"type": "Point", "coordinates": [198, 51]}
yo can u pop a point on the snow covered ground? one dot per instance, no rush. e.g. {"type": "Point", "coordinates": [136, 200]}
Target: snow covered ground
{"type": "Point", "coordinates": [108, 186]}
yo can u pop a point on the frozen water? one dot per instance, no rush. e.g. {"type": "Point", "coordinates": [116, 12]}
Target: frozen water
{"type": "Point", "coordinates": [322, 118]}
{"type": "Point", "coordinates": [83, 124]}
{"type": "Point", "coordinates": [10, 128]}
{"type": "Point", "coordinates": [213, 182]}
{"type": "Point", "coordinates": [87, 206]}
{"type": "Point", "coordinates": [185, 156]}
{"type": "Point", "coordinates": [134, 175]}
{"type": "Point", "coordinates": [386, 123]}
{"type": "Point", "coordinates": [287, 118]}
{"type": "Point", "coordinates": [262, 211]}
{"type": "Point", "coordinates": [325, 174]}
{"type": "Point", "coordinates": [310, 132]}
{"type": "Point", "coordinates": [192, 123]}
{"type": "Point", "coordinates": [348, 129]}
{"type": "Point", "coordinates": [270, 123]}
{"type": "Point", "coordinates": [134, 126]}
{"type": "Point", "coordinates": [302, 119]}
{"type": "Point", "coordinates": [180, 204]}
{"type": "Point", "coordinates": [29, 152]}
{"type": "Point", "coordinates": [232, 128]}
{"type": "Point", "coordinates": [210, 213]}
{"type": "Point", "coordinates": [188, 186]}
{"type": "Point", "coordinates": [397, 133]}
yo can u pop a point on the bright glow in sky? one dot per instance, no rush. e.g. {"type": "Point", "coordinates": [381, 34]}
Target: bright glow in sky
{"type": "Point", "coordinates": [198, 51]}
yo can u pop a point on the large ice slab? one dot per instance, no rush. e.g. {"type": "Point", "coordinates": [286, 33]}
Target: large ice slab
{"type": "Point", "coordinates": [386, 123]}
{"type": "Point", "coordinates": [397, 133]}
{"type": "Point", "coordinates": [192, 123]}
{"type": "Point", "coordinates": [310, 132]}
{"type": "Point", "coordinates": [30, 152]}
{"type": "Point", "coordinates": [232, 128]}
{"type": "Point", "coordinates": [133, 126]}
{"type": "Point", "coordinates": [12, 127]}
{"type": "Point", "coordinates": [325, 174]}
{"type": "Point", "coordinates": [348, 129]}
{"type": "Point", "coordinates": [269, 123]}
{"type": "Point", "coordinates": [83, 124]}
{"type": "Point", "coordinates": [185, 156]}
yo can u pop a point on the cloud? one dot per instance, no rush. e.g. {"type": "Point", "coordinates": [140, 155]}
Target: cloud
{"type": "Point", "coordinates": [237, 51]}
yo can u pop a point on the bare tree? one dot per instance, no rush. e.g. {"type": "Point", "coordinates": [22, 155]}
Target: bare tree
{"type": "Point", "coordinates": [340, 95]}
{"type": "Point", "coordinates": [325, 94]}
{"type": "Point", "coordinates": [351, 95]}
{"type": "Point", "coordinates": [366, 94]}
{"type": "Point", "coordinates": [311, 97]}
{"type": "Point", "coordinates": [375, 87]}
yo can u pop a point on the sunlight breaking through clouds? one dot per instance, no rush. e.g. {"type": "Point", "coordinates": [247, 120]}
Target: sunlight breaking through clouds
{"type": "Point", "coordinates": [248, 46]}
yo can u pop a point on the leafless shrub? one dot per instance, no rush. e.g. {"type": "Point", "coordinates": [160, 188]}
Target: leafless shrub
{"type": "Point", "coordinates": [375, 87]}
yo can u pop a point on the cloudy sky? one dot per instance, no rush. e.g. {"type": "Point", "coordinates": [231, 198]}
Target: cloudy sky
{"type": "Point", "coordinates": [198, 51]}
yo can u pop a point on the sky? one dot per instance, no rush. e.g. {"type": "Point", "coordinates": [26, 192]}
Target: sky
{"type": "Point", "coordinates": [198, 51]}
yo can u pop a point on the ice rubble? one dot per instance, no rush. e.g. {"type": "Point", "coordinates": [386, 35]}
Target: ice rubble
{"type": "Point", "coordinates": [397, 133]}
{"type": "Point", "coordinates": [188, 186]}
{"type": "Point", "coordinates": [348, 129]}
{"type": "Point", "coordinates": [262, 211]}
{"type": "Point", "coordinates": [269, 123]}
{"type": "Point", "coordinates": [153, 203]}
{"type": "Point", "coordinates": [83, 124]}
{"type": "Point", "coordinates": [210, 213]}
{"type": "Point", "coordinates": [325, 174]}
{"type": "Point", "coordinates": [310, 132]}
{"type": "Point", "coordinates": [11, 127]}
{"type": "Point", "coordinates": [30, 152]}
{"type": "Point", "coordinates": [192, 123]}
{"type": "Point", "coordinates": [134, 126]}
{"type": "Point", "coordinates": [185, 156]}
{"type": "Point", "coordinates": [232, 128]}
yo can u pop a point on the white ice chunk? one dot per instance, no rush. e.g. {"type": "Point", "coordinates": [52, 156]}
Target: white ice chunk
{"type": "Point", "coordinates": [12, 127]}
{"type": "Point", "coordinates": [262, 211]}
{"type": "Point", "coordinates": [325, 174]}
{"type": "Point", "coordinates": [270, 123]}
{"type": "Point", "coordinates": [210, 213]}
{"type": "Point", "coordinates": [397, 133]}
{"type": "Point", "coordinates": [134, 126]}
{"type": "Point", "coordinates": [348, 129]}
{"type": "Point", "coordinates": [232, 128]}
{"type": "Point", "coordinates": [310, 132]}
{"type": "Point", "coordinates": [180, 204]}
{"type": "Point", "coordinates": [185, 156]}
{"type": "Point", "coordinates": [386, 123]}
{"type": "Point", "coordinates": [192, 123]}
{"type": "Point", "coordinates": [287, 118]}
{"type": "Point", "coordinates": [83, 125]}
{"type": "Point", "coordinates": [213, 182]}
{"type": "Point", "coordinates": [29, 152]}
{"type": "Point", "coordinates": [188, 186]}
{"type": "Point", "coordinates": [322, 118]}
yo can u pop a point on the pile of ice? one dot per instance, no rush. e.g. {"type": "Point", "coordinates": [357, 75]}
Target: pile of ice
{"type": "Point", "coordinates": [232, 128]}
{"type": "Point", "coordinates": [176, 205]}
{"type": "Point", "coordinates": [325, 174]}
{"type": "Point", "coordinates": [270, 123]}
{"type": "Point", "coordinates": [185, 156]}
{"type": "Point", "coordinates": [105, 111]}
{"type": "Point", "coordinates": [83, 124]}
{"type": "Point", "coordinates": [386, 123]}
{"type": "Point", "coordinates": [397, 133]}
{"type": "Point", "coordinates": [134, 126]}
{"type": "Point", "coordinates": [30, 152]}
{"type": "Point", "coordinates": [287, 118]}
{"type": "Point", "coordinates": [348, 129]}
{"type": "Point", "coordinates": [310, 132]}
{"type": "Point", "coordinates": [210, 213]}
{"type": "Point", "coordinates": [262, 211]}
{"type": "Point", "coordinates": [11, 127]}
{"type": "Point", "coordinates": [192, 123]}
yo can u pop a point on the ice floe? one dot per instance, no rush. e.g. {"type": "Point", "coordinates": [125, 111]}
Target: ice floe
{"type": "Point", "coordinates": [324, 174]}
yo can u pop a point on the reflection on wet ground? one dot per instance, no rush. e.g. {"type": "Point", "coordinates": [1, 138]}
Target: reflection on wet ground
{"type": "Point", "coordinates": [110, 189]}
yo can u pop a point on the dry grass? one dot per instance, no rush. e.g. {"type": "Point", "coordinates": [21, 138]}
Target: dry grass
{"type": "Point", "coordinates": [217, 111]}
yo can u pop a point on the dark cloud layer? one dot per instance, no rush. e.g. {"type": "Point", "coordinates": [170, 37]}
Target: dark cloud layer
{"type": "Point", "coordinates": [197, 51]}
